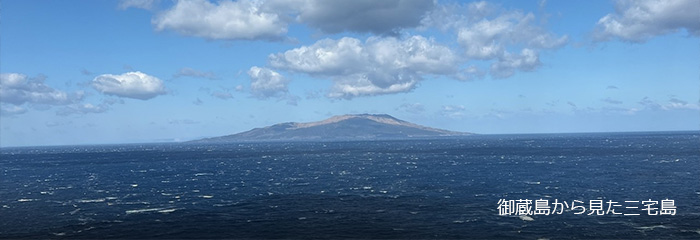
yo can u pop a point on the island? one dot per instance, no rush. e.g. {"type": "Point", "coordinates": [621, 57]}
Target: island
{"type": "Point", "coordinates": [338, 128]}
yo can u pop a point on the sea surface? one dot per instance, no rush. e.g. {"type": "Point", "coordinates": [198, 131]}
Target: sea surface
{"type": "Point", "coordinates": [408, 189]}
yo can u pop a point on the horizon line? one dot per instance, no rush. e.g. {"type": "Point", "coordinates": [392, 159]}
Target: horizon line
{"type": "Point", "coordinates": [280, 141]}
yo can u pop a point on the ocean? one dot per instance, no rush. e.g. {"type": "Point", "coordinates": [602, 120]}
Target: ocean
{"type": "Point", "coordinates": [400, 189]}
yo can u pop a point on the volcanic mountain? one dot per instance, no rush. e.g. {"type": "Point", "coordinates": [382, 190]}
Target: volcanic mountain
{"type": "Point", "coordinates": [344, 127]}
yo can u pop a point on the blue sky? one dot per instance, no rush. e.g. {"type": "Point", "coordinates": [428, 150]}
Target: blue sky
{"type": "Point", "coordinates": [98, 72]}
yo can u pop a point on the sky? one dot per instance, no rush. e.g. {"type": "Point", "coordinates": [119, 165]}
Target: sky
{"type": "Point", "coordinates": [139, 71]}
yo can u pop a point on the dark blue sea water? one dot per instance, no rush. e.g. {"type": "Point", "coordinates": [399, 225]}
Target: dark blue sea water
{"type": "Point", "coordinates": [447, 188]}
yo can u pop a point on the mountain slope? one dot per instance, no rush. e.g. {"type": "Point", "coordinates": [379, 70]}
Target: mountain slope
{"type": "Point", "coordinates": [344, 127]}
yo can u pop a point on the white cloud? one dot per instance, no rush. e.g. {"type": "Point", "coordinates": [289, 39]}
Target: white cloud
{"type": "Point", "coordinates": [381, 65]}
{"type": "Point", "coordinates": [228, 20]}
{"type": "Point", "coordinates": [510, 40]}
{"type": "Point", "coordinates": [448, 16]}
{"type": "Point", "coordinates": [253, 19]}
{"type": "Point", "coordinates": [143, 4]}
{"type": "Point", "coordinates": [363, 86]}
{"type": "Point", "coordinates": [639, 20]}
{"type": "Point", "coordinates": [334, 16]}
{"type": "Point", "coordinates": [265, 83]}
{"type": "Point", "coordinates": [488, 39]}
{"type": "Point", "coordinates": [136, 85]}
{"type": "Point", "coordinates": [325, 57]}
{"type": "Point", "coordinates": [527, 60]}
{"type": "Point", "coordinates": [18, 89]}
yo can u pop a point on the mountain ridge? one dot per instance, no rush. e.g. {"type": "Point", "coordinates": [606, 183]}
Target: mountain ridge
{"type": "Point", "coordinates": [341, 127]}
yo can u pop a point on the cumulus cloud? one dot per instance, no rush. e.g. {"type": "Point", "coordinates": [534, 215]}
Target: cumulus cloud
{"type": "Point", "coordinates": [143, 4]}
{"type": "Point", "coordinates": [448, 16]}
{"type": "Point", "coordinates": [135, 85]}
{"type": "Point", "coordinates": [510, 40]}
{"type": "Point", "coordinates": [18, 93]}
{"type": "Point", "coordinates": [190, 72]}
{"type": "Point", "coordinates": [265, 83]}
{"type": "Point", "coordinates": [18, 89]}
{"type": "Point", "coordinates": [379, 17]}
{"type": "Point", "coordinates": [253, 20]}
{"type": "Point", "coordinates": [226, 19]}
{"type": "Point", "coordinates": [487, 38]}
{"type": "Point", "coordinates": [639, 20]}
{"type": "Point", "coordinates": [527, 60]}
{"type": "Point", "coordinates": [381, 65]}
